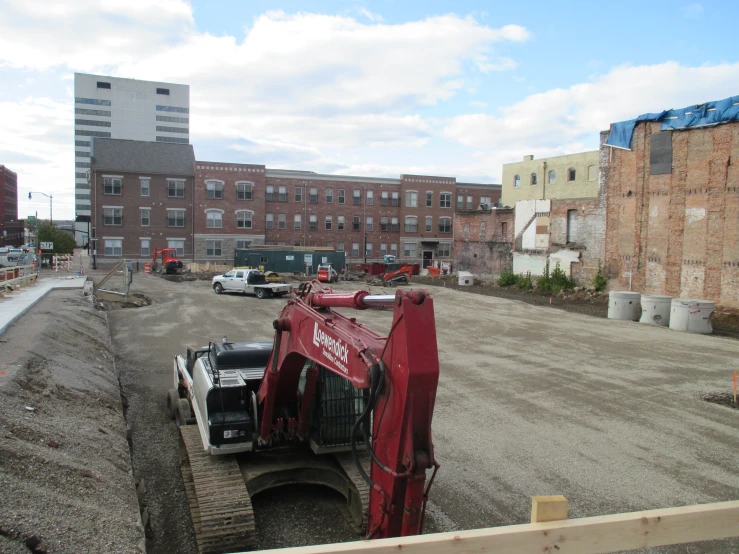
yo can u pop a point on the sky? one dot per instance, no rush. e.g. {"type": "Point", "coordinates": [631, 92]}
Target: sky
{"type": "Point", "coordinates": [374, 88]}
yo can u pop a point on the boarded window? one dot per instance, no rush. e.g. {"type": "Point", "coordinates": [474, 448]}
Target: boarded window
{"type": "Point", "coordinates": [660, 153]}
{"type": "Point", "coordinates": [571, 225]}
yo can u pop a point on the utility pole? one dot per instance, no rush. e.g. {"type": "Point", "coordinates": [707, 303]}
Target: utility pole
{"type": "Point", "coordinates": [364, 216]}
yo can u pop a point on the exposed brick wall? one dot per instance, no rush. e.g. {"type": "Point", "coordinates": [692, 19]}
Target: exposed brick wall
{"type": "Point", "coordinates": [483, 240]}
{"type": "Point", "coordinates": [676, 234]}
{"type": "Point", "coordinates": [11, 228]}
{"type": "Point", "coordinates": [587, 233]}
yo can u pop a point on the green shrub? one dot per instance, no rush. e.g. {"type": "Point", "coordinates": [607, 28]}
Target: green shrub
{"type": "Point", "coordinates": [599, 281]}
{"type": "Point", "coordinates": [560, 280]}
{"type": "Point", "coordinates": [524, 282]}
{"type": "Point", "coordinates": [544, 282]}
{"type": "Point", "coordinates": [507, 278]}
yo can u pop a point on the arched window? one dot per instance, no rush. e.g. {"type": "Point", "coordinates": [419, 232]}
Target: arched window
{"type": "Point", "coordinates": [214, 219]}
{"type": "Point", "coordinates": [214, 189]}
{"type": "Point", "coordinates": [516, 180]}
{"type": "Point", "coordinates": [552, 177]}
{"type": "Point", "coordinates": [533, 179]}
{"type": "Point", "coordinates": [571, 174]}
{"type": "Point", "coordinates": [244, 190]}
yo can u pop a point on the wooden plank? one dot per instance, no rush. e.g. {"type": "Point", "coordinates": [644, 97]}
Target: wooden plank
{"type": "Point", "coordinates": [591, 535]}
{"type": "Point", "coordinates": [548, 508]}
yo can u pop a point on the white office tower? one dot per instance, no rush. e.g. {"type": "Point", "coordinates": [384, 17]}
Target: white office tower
{"type": "Point", "coordinates": [123, 109]}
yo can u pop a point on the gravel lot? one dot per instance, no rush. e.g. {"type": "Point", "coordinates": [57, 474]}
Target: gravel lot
{"type": "Point", "coordinates": [531, 401]}
{"type": "Point", "coordinates": [66, 484]}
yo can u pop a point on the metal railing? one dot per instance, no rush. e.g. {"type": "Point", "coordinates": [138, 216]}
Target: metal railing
{"type": "Point", "coordinates": [19, 275]}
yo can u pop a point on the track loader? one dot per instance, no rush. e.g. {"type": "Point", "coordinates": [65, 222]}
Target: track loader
{"type": "Point", "coordinates": [327, 402]}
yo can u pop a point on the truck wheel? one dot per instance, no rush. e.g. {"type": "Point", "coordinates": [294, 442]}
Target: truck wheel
{"type": "Point", "coordinates": [218, 288]}
{"type": "Point", "coordinates": [184, 414]}
{"type": "Point", "coordinates": [173, 399]}
{"type": "Point", "coordinates": [261, 293]}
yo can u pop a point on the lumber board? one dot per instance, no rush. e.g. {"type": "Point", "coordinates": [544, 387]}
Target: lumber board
{"type": "Point", "coordinates": [548, 508]}
{"type": "Point", "coordinates": [589, 535]}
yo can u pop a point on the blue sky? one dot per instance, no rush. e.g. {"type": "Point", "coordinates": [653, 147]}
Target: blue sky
{"type": "Point", "coordinates": [368, 88]}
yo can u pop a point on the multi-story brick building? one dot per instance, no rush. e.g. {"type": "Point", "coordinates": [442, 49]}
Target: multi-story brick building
{"type": "Point", "coordinates": [229, 205]}
{"type": "Point", "coordinates": [11, 228]}
{"type": "Point", "coordinates": [142, 198]}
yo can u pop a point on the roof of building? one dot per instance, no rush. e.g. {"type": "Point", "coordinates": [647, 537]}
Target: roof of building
{"type": "Point", "coordinates": [138, 156]}
{"type": "Point", "coordinates": [481, 185]}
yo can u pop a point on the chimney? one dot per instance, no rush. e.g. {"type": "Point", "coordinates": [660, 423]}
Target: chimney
{"type": "Point", "coordinates": [528, 158]}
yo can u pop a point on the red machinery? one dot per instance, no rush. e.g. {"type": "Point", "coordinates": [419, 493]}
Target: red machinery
{"type": "Point", "coordinates": [262, 428]}
{"type": "Point", "coordinates": [169, 260]}
{"type": "Point", "coordinates": [327, 274]}
{"type": "Point", "coordinates": [401, 275]}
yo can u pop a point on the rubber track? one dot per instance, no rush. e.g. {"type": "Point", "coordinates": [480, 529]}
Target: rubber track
{"type": "Point", "coordinates": [220, 506]}
{"type": "Point", "coordinates": [346, 462]}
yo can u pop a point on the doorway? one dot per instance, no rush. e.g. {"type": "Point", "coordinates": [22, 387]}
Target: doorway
{"type": "Point", "coordinates": [428, 258]}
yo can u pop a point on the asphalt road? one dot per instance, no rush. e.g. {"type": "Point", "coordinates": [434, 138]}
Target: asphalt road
{"type": "Point", "coordinates": [531, 401]}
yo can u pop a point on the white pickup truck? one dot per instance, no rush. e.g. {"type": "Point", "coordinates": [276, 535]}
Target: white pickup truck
{"type": "Point", "coordinates": [248, 281]}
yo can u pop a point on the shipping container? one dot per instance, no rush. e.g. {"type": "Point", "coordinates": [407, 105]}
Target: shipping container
{"type": "Point", "coordinates": [288, 261]}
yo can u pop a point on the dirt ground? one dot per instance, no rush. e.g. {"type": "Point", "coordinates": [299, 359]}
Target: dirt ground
{"type": "Point", "coordinates": [531, 401]}
{"type": "Point", "coordinates": [66, 484]}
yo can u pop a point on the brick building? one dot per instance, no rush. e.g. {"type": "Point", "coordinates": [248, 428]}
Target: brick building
{"type": "Point", "coordinates": [142, 198]}
{"type": "Point", "coordinates": [11, 228]}
{"type": "Point", "coordinates": [483, 240]}
{"type": "Point", "coordinates": [672, 224]}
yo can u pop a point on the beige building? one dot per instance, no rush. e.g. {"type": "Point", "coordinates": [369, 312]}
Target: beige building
{"type": "Point", "coordinates": [571, 176]}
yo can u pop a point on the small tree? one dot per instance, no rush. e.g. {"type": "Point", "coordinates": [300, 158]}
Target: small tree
{"type": "Point", "coordinates": [64, 242]}
{"type": "Point", "coordinates": [599, 281]}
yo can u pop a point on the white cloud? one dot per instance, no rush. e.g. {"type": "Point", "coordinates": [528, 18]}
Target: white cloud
{"type": "Point", "coordinates": [478, 104]}
{"type": "Point", "coordinates": [503, 64]}
{"type": "Point", "coordinates": [546, 121]}
{"type": "Point", "coordinates": [369, 15]}
{"type": "Point", "coordinates": [692, 11]}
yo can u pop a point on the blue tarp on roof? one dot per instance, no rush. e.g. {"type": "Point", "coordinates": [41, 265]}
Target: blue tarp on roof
{"type": "Point", "coordinates": [700, 115]}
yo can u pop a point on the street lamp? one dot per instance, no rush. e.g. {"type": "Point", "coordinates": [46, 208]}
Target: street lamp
{"type": "Point", "coordinates": [50, 197]}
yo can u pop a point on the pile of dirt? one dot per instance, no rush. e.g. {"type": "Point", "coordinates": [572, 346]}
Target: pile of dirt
{"type": "Point", "coordinates": [135, 300]}
{"type": "Point", "coordinates": [722, 398]}
{"type": "Point", "coordinates": [65, 465]}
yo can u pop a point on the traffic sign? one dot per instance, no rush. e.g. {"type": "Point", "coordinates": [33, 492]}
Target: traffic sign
{"type": "Point", "coordinates": [47, 246]}
{"type": "Point", "coordinates": [31, 218]}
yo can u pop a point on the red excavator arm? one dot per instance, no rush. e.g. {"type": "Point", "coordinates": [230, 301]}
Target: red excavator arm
{"type": "Point", "coordinates": [401, 372]}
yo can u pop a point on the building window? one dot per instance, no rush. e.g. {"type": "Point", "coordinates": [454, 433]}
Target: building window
{"type": "Point", "coordinates": [444, 250]}
{"type": "Point", "coordinates": [145, 184]}
{"type": "Point", "coordinates": [370, 198]}
{"type": "Point", "coordinates": [516, 181]}
{"type": "Point", "coordinates": [270, 193]}
{"type": "Point", "coordinates": [298, 194]}
{"type": "Point", "coordinates": [146, 247]}
{"type": "Point", "coordinates": [486, 202]}
{"type": "Point", "coordinates": [394, 250]}
{"type": "Point", "coordinates": [166, 129]}
{"type": "Point", "coordinates": [145, 217]}
{"type": "Point", "coordinates": [81, 154]}
{"type": "Point", "coordinates": [383, 224]}
{"type": "Point", "coordinates": [369, 223]}
{"type": "Point", "coordinates": [270, 221]}
{"type": "Point", "coordinates": [329, 195]}
{"type": "Point", "coordinates": [592, 173]}
{"type": "Point", "coordinates": [112, 185]}
{"type": "Point", "coordinates": [103, 84]}
{"type": "Point", "coordinates": [313, 222]}
{"type": "Point", "coordinates": [356, 223]}
{"type": "Point", "coordinates": [394, 225]}
{"type": "Point", "coordinates": [178, 245]}
{"type": "Point", "coordinates": [281, 221]}
{"type": "Point", "coordinates": [504, 229]}
{"type": "Point", "coordinates": [112, 216]}
{"type": "Point", "coordinates": [341, 196]}
{"type": "Point", "coordinates": [175, 188]}
{"type": "Point", "coordinates": [429, 199]}
{"type": "Point", "coordinates": [113, 247]}
{"type": "Point", "coordinates": [177, 140]}
{"type": "Point", "coordinates": [384, 198]}
{"type": "Point", "coordinates": [533, 180]}
{"type": "Point", "coordinates": [214, 189]}
{"type": "Point", "coordinates": [340, 222]}
{"type": "Point", "coordinates": [368, 250]}
{"type": "Point", "coordinates": [411, 199]}
{"type": "Point", "coordinates": [282, 194]}
{"type": "Point", "coordinates": [82, 164]}
{"type": "Point", "coordinates": [409, 249]}
{"type": "Point", "coordinates": [163, 91]}
{"type": "Point", "coordinates": [460, 201]}
{"type": "Point", "coordinates": [214, 219]}
{"type": "Point", "coordinates": [243, 219]}
{"type": "Point", "coordinates": [571, 225]}
{"type": "Point", "coordinates": [355, 249]}
{"type": "Point", "coordinates": [411, 224]}
{"type": "Point", "coordinates": [329, 222]}
{"type": "Point", "coordinates": [92, 122]}
{"type": "Point", "coordinates": [244, 191]}
{"type": "Point", "coordinates": [357, 197]}
{"type": "Point", "coordinates": [313, 195]}
{"type": "Point", "coordinates": [469, 202]}
{"type": "Point", "coordinates": [175, 218]}
{"type": "Point", "coordinates": [571, 174]}
{"type": "Point", "coordinates": [85, 111]}
{"type": "Point", "coordinates": [243, 244]}
{"type": "Point", "coordinates": [396, 199]}
{"type": "Point", "coordinates": [94, 101]}
{"type": "Point", "coordinates": [172, 109]}
{"type": "Point", "coordinates": [82, 143]}
{"type": "Point", "coordinates": [213, 247]}
{"type": "Point", "coordinates": [429, 223]}
{"type": "Point", "coordinates": [445, 224]}
{"type": "Point", "coordinates": [297, 221]}
{"type": "Point", "coordinates": [552, 177]}
{"type": "Point", "coordinates": [172, 119]}
{"type": "Point", "coordinates": [445, 200]}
